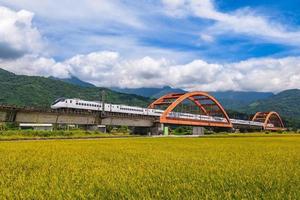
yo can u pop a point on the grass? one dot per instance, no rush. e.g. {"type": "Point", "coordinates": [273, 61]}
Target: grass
{"type": "Point", "coordinates": [152, 168]}
{"type": "Point", "coordinates": [34, 134]}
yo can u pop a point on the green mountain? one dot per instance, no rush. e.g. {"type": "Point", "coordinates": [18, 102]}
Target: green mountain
{"type": "Point", "coordinates": [235, 100]}
{"type": "Point", "coordinates": [41, 92]}
{"type": "Point", "coordinates": [149, 92]}
{"type": "Point", "coordinates": [74, 80]}
{"type": "Point", "coordinates": [286, 103]}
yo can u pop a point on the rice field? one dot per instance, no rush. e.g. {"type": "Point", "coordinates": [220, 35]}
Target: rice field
{"type": "Point", "coordinates": [152, 168]}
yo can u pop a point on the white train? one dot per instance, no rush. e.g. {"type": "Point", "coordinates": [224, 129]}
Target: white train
{"type": "Point", "coordinates": [63, 103]}
{"type": "Point", "coordinates": [97, 106]}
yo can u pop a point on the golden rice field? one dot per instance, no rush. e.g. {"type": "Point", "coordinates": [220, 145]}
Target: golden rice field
{"type": "Point", "coordinates": [152, 168]}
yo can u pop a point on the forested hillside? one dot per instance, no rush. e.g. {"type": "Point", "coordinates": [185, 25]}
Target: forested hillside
{"type": "Point", "coordinates": [286, 103]}
{"type": "Point", "coordinates": [41, 92]}
{"type": "Point", "coordinates": [149, 92]}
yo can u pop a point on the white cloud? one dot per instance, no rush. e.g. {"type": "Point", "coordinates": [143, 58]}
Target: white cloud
{"type": "Point", "coordinates": [130, 47]}
{"type": "Point", "coordinates": [143, 66]}
{"type": "Point", "coordinates": [90, 11]}
{"type": "Point", "coordinates": [17, 35]}
{"type": "Point", "coordinates": [206, 37]}
{"type": "Point", "coordinates": [110, 69]}
{"type": "Point", "coordinates": [242, 21]}
{"type": "Point", "coordinates": [35, 66]}
{"type": "Point", "coordinates": [269, 74]}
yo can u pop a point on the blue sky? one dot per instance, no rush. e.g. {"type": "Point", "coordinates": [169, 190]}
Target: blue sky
{"type": "Point", "coordinates": [197, 45]}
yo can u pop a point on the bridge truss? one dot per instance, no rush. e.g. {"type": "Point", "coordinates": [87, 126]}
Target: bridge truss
{"type": "Point", "coordinates": [272, 120]}
{"type": "Point", "coordinates": [205, 105]}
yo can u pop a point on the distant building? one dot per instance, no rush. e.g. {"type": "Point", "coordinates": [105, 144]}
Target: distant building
{"type": "Point", "coordinates": [46, 127]}
{"type": "Point", "coordinates": [101, 128]}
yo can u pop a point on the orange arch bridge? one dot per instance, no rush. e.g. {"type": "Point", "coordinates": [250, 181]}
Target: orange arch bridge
{"type": "Point", "coordinates": [211, 112]}
{"type": "Point", "coordinates": [271, 120]}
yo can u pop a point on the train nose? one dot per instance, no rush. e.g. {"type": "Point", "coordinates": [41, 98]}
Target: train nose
{"type": "Point", "coordinates": [53, 107]}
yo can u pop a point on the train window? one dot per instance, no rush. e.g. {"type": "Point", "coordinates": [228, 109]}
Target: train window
{"type": "Point", "coordinates": [70, 101]}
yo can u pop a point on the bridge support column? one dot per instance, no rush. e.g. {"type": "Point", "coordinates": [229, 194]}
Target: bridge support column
{"type": "Point", "coordinates": [157, 129]}
{"type": "Point", "coordinates": [165, 130]}
{"type": "Point", "coordinates": [198, 130]}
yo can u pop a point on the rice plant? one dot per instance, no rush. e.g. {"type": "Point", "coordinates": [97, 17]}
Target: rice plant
{"type": "Point", "coordinates": [152, 168]}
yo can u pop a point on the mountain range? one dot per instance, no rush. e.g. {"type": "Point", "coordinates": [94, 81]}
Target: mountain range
{"type": "Point", "coordinates": [41, 92]}
{"type": "Point", "coordinates": [37, 91]}
{"type": "Point", "coordinates": [233, 100]}
{"type": "Point", "coordinates": [229, 99]}
{"type": "Point", "coordinates": [149, 92]}
{"type": "Point", "coordinates": [74, 81]}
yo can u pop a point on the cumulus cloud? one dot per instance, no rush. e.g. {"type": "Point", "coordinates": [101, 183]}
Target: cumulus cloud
{"type": "Point", "coordinates": [110, 69]}
{"type": "Point", "coordinates": [35, 66]}
{"type": "Point", "coordinates": [242, 21]}
{"type": "Point", "coordinates": [22, 44]}
{"type": "Point", "coordinates": [17, 35]}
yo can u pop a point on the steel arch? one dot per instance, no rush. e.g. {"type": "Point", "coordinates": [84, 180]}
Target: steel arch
{"type": "Point", "coordinates": [265, 117]}
{"type": "Point", "coordinates": [179, 98]}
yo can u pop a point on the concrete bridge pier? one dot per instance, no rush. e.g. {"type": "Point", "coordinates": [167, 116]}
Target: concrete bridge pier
{"type": "Point", "coordinates": [198, 130]}
{"type": "Point", "coordinates": [157, 129]}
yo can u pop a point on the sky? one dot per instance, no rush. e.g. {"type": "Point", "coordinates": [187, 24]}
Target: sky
{"type": "Point", "coordinates": [207, 45]}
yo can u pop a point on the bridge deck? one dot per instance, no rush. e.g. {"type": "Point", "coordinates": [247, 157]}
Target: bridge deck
{"type": "Point", "coordinates": [66, 116]}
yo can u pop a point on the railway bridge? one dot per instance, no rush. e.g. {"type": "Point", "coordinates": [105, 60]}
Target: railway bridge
{"type": "Point", "coordinates": [198, 109]}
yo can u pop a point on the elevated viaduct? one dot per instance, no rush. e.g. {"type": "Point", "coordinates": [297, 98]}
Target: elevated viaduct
{"type": "Point", "coordinates": [202, 102]}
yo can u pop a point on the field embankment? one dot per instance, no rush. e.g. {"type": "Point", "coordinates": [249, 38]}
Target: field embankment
{"type": "Point", "coordinates": [9, 135]}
